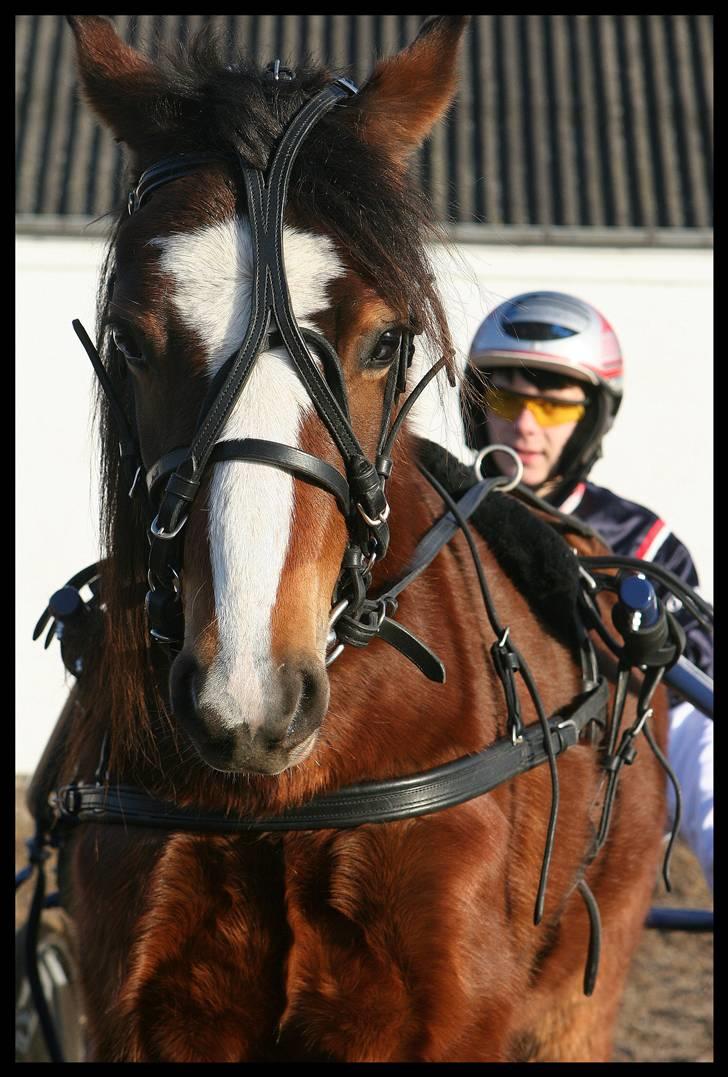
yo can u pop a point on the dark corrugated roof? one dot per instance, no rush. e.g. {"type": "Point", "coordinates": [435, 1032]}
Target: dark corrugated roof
{"type": "Point", "coordinates": [563, 121]}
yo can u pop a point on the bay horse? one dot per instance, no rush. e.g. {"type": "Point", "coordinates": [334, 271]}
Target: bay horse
{"type": "Point", "coordinates": [411, 940]}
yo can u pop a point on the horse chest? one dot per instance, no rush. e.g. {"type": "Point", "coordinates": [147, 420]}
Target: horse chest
{"type": "Point", "coordinates": [387, 957]}
{"type": "Point", "coordinates": [328, 949]}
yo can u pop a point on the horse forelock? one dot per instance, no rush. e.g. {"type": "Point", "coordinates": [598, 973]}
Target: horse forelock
{"type": "Point", "coordinates": [340, 183]}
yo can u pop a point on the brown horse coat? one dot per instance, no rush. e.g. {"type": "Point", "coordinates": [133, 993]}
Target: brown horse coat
{"type": "Point", "coordinates": [399, 942]}
{"type": "Point", "coordinates": [410, 941]}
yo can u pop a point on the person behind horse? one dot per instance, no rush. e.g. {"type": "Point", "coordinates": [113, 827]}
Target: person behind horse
{"type": "Point", "coordinates": [545, 379]}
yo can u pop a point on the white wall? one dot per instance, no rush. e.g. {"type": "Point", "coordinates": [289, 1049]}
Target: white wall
{"type": "Point", "coordinates": [660, 451]}
{"type": "Point", "coordinates": [56, 503]}
{"type": "Point", "coordinates": [660, 302]}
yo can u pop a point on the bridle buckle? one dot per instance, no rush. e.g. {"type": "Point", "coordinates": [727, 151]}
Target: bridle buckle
{"type": "Point", "coordinates": [381, 519]}
{"type": "Point", "coordinates": [160, 533]}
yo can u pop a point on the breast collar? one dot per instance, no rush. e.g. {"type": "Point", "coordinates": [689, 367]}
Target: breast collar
{"type": "Point", "coordinates": [173, 482]}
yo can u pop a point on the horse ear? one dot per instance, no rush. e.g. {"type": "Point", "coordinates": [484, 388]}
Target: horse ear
{"type": "Point", "coordinates": [118, 82]}
{"type": "Point", "coordinates": [408, 93]}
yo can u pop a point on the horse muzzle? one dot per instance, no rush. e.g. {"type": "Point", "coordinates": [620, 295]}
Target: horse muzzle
{"type": "Point", "coordinates": [277, 731]}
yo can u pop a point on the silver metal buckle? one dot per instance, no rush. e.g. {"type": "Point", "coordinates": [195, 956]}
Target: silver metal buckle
{"type": "Point", "coordinates": [160, 533]}
{"type": "Point", "coordinates": [382, 518]}
{"type": "Point", "coordinates": [347, 85]}
{"type": "Point", "coordinates": [331, 635]}
{"type": "Point", "coordinates": [334, 616]}
{"type": "Point", "coordinates": [372, 558]}
{"type": "Point", "coordinates": [643, 718]}
{"type": "Point", "coordinates": [334, 654]}
{"type": "Point", "coordinates": [572, 723]}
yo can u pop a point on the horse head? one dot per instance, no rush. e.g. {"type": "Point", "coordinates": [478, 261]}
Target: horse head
{"type": "Point", "coordinates": [260, 571]}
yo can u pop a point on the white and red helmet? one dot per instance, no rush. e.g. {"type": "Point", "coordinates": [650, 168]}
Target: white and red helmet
{"type": "Point", "coordinates": [564, 335]}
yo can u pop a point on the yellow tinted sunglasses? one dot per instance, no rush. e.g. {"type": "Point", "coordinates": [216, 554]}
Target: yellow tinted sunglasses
{"type": "Point", "coordinates": [547, 410]}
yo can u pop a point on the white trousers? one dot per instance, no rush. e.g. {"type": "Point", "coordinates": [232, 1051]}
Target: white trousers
{"type": "Point", "coordinates": [690, 754]}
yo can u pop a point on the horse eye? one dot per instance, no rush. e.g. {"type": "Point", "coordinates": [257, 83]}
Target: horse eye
{"type": "Point", "coordinates": [386, 348]}
{"type": "Point", "coordinates": [127, 345]}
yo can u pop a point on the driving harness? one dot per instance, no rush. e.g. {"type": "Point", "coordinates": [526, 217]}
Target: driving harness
{"type": "Point", "coordinates": [357, 617]}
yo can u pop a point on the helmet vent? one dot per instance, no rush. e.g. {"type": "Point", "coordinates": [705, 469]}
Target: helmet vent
{"type": "Point", "coordinates": [536, 330]}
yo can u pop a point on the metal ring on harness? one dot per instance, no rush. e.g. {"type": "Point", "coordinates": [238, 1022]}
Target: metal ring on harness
{"type": "Point", "coordinates": [331, 634]}
{"type": "Point", "coordinates": [513, 483]}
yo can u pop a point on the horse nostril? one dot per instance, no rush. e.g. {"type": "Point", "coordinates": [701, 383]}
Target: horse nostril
{"type": "Point", "coordinates": [307, 694]}
{"type": "Point", "coordinates": [309, 687]}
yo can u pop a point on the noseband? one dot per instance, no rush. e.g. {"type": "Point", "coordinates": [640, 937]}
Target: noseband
{"type": "Point", "coordinates": [173, 482]}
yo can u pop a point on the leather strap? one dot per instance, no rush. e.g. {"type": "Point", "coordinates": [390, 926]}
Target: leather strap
{"type": "Point", "coordinates": [257, 450]}
{"type": "Point", "coordinates": [163, 172]}
{"type": "Point", "coordinates": [299, 463]}
{"type": "Point", "coordinates": [371, 802]}
{"type": "Point", "coordinates": [369, 620]}
{"type": "Point", "coordinates": [412, 647]}
{"type": "Point", "coordinates": [440, 534]}
{"type": "Point", "coordinates": [128, 447]}
{"type": "Point", "coordinates": [270, 294]}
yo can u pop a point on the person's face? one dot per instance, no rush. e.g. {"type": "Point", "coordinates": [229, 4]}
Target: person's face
{"type": "Point", "coordinates": [538, 447]}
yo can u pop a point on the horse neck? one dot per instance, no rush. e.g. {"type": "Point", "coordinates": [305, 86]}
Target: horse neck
{"type": "Point", "coordinates": [397, 721]}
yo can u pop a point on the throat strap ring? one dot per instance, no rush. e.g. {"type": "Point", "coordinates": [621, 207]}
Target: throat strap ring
{"type": "Point", "coordinates": [478, 465]}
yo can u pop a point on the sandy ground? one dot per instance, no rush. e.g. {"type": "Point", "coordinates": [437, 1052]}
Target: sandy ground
{"type": "Point", "coordinates": [667, 1014]}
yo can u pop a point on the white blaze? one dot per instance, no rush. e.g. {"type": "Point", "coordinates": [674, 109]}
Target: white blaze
{"type": "Point", "coordinates": [251, 505]}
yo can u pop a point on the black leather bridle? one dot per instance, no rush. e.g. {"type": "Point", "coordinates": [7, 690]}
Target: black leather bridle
{"type": "Point", "coordinates": [173, 482]}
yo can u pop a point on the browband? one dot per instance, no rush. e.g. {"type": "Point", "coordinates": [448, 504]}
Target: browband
{"type": "Point", "coordinates": [259, 451]}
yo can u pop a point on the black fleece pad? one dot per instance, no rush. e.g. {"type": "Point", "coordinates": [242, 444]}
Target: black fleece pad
{"type": "Point", "coordinates": [537, 560]}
